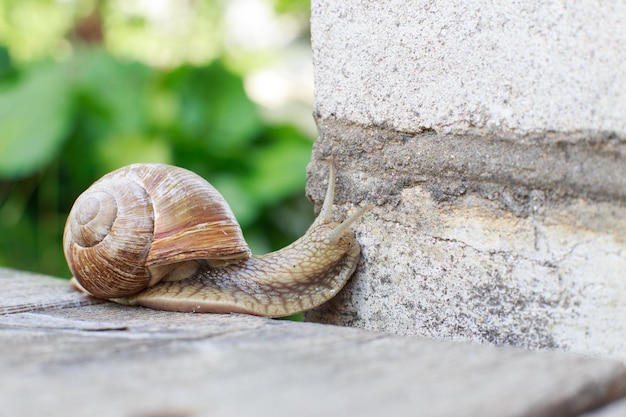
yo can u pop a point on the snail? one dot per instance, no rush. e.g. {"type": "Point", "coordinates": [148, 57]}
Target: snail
{"type": "Point", "coordinates": [160, 236]}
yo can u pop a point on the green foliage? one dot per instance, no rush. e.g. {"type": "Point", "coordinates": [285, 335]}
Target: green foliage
{"type": "Point", "coordinates": [65, 123]}
{"type": "Point", "coordinates": [34, 120]}
{"type": "Point", "coordinates": [293, 6]}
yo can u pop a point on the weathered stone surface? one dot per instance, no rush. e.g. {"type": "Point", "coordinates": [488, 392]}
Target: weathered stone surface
{"type": "Point", "coordinates": [74, 359]}
{"type": "Point", "coordinates": [533, 263]}
{"type": "Point", "coordinates": [498, 168]}
{"type": "Point", "coordinates": [449, 66]}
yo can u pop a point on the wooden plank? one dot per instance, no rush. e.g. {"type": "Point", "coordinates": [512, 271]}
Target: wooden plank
{"type": "Point", "coordinates": [31, 292]}
{"type": "Point", "coordinates": [615, 409]}
{"type": "Point", "coordinates": [112, 360]}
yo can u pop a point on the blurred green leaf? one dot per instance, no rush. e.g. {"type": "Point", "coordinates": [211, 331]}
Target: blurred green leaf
{"type": "Point", "coordinates": [215, 110]}
{"type": "Point", "coordinates": [118, 151]}
{"type": "Point", "coordinates": [112, 89]}
{"type": "Point", "coordinates": [292, 6]}
{"type": "Point", "coordinates": [34, 119]}
{"type": "Point", "coordinates": [6, 67]}
{"type": "Point", "coordinates": [293, 317]}
{"type": "Point", "coordinates": [278, 168]}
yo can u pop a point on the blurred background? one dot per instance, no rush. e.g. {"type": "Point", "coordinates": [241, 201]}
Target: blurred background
{"type": "Point", "coordinates": [223, 88]}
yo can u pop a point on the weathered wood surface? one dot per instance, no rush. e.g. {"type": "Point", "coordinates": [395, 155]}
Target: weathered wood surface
{"type": "Point", "coordinates": [65, 354]}
{"type": "Point", "coordinates": [614, 409]}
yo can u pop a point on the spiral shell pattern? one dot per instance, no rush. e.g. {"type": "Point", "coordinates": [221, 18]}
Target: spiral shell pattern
{"type": "Point", "coordinates": [133, 221]}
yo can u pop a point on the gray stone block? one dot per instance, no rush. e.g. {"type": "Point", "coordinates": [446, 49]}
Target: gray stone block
{"type": "Point", "coordinates": [492, 139]}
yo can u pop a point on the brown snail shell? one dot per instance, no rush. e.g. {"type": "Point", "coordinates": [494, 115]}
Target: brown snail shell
{"type": "Point", "coordinates": [136, 221]}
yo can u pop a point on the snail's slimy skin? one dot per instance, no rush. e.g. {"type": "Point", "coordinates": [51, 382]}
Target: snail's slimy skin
{"type": "Point", "coordinates": [297, 278]}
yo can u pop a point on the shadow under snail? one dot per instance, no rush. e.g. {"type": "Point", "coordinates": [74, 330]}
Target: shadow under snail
{"type": "Point", "coordinates": [162, 237]}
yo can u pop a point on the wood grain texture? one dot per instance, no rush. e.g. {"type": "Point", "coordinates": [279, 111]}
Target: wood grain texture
{"type": "Point", "coordinates": [615, 409]}
{"type": "Point", "coordinates": [72, 358]}
{"type": "Point", "coordinates": [24, 291]}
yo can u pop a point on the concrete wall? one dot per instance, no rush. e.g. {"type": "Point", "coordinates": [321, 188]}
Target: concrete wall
{"type": "Point", "coordinates": [492, 139]}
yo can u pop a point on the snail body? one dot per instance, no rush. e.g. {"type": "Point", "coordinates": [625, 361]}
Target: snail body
{"type": "Point", "coordinates": [162, 237]}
